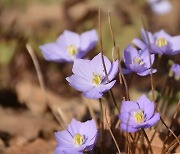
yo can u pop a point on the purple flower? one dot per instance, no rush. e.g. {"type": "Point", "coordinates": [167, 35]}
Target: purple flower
{"type": "Point", "coordinates": [160, 42]}
{"type": "Point", "coordinates": [138, 114]}
{"type": "Point", "coordinates": [89, 76]}
{"type": "Point", "coordinates": [78, 136]}
{"type": "Point", "coordinates": [160, 7]}
{"type": "Point", "coordinates": [175, 69]}
{"type": "Point", "coordinates": [69, 46]}
{"type": "Point", "coordinates": [137, 61]}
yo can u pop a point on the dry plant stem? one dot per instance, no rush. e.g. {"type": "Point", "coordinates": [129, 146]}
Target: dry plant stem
{"type": "Point", "coordinates": [160, 102]}
{"type": "Point", "coordinates": [165, 101]}
{"type": "Point", "coordinates": [147, 139]}
{"type": "Point", "coordinates": [170, 130]}
{"type": "Point", "coordinates": [175, 114]}
{"type": "Point", "coordinates": [122, 75]}
{"type": "Point", "coordinates": [136, 138]}
{"type": "Point", "coordinates": [102, 54]}
{"type": "Point", "coordinates": [116, 48]}
{"type": "Point", "coordinates": [166, 84]}
{"type": "Point", "coordinates": [142, 141]}
{"type": "Point", "coordinates": [114, 100]}
{"type": "Point", "coordinates": [101, 112]}
{"type": "Point", "coordinates": [109, 127]}
{"type": "Point", "coordinates": [127, 143]}
{"type": "Point", "coordinates": [102, 125]}
{"type": "Point", "coordinates": [171, 94]}
{"type": "Point", "coordinates": [152, 87]}
{"type": "Point", "coordinates": [117, 124]}
{"type": "Point", "coordinates": [171, 146]}
{"type": "Point", "coordinates": [149, 50]}
{"type": "Point", "coordinates": [101, 45]}
{"type": "Point", "coordinates": [151, 74]}
{"type": "Point", "coordinates": [174, 117]}
{"type": "Point", "coordinates": [131, 139]}
{"type": "Point", "coordinates": [91, 111]}
{"type": "Point", "coordinates": [165, 107]}
{"type": "Point", "coordinates": [111, 30]}
{"type": "Point", "coordinates": [119, 67]}
{"type": "Point", "coordinates": [153, 136]}
{"type": "Point", "coordinates": [127, 138]}
{"type": "Point", "coordinates": [43, 89]}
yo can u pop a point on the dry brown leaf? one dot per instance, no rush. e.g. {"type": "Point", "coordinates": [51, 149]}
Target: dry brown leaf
{"type": "Point", "coordinates": [38, 146]}
{"type": "Point", "coordinates": [24, 126]}
{"type": "Point", "coordinates": [32, 95]}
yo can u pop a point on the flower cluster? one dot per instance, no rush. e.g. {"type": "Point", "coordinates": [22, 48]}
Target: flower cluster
{"type": "Point", "coordinates": [90, 78]}
{"type": "Point", "coordinates": [77, 138]}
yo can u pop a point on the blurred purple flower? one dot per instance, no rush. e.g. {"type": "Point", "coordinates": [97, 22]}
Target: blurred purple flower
{"type": "Point", "coordinates": [78, 136]}
{"type": "Point", "coordinates": [138, 114]}
{"type": "Point", "coordinates": [137, 61]}
{"type": "Point", "coordinates": [160, 7]}
{"type": "Point", "coordinates": [89, 76]}
{"type": "Point", "coordinates": [175, 69]}
{"type": "Point", "coordinates": [160, 42]}
{"type": "Point", "coordinates": [69, 46]}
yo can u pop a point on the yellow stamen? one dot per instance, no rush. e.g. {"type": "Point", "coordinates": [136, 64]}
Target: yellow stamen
{"type": "Point", "coordinates": [138, 60]}
{"type": "Point", "coordinates": [161, 42]}
{"type": "Point", "coordinates": [96, 79]}
{"type": "Point", "coordinates": [72, 50]}
{"type": "Point", "coordinates": [139, 116]}
{"type": "Point", "coordinates": [78, 139]}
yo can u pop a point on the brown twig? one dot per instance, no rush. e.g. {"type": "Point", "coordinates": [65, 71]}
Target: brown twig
{"type": "Point", "coordinates": [174, 118]}
{"type": "Point", "coordinates": [135, 141]}
{"type": "Point", "coordinates": [101, 112]}
{"type": "Point", "coordinates": [91, 111]}
{"type": "Point", "coordinates": [109, 128]}
{"type": "Point", "coordinates": [152, 87]}
{"type": "Point", "coordinates": [121, 75]}
{"type": "Point", "coordinates": [171, 146]}
{"type": "Point", "coordinates": [170, 130]}
{"type": "Point", "coordinates": [149, 51]}
{"type": "Point", "coordinates": [147, 139]}
{"type": "Point", "coordinates": [102, 57]}
{"type": "Point", "coordinates": [43, 89]}
{"type": "Point", "coordinates": [111, 30]}
{"type": "Point", "coordinates": [101, 45]}
{"type": "Point", "coordinates": [102, 125]}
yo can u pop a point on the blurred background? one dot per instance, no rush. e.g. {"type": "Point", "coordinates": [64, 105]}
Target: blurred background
{"type": "Point", "coordinates": [26, 123]}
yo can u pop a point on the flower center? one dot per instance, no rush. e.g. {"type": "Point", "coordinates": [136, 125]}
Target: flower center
{"type": "Point", "coordinates": [78, 139]}
{"type": "Point", "coordinates": [139, 116]}
{"type": "Point", "coordinates": [138, 60]}
{"type": "Point", "coordinates": [72, 50]}
{"type": "Point", "coordinates": [161, 42]}
{"type": "Point", "coordinates": [96, 79]}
